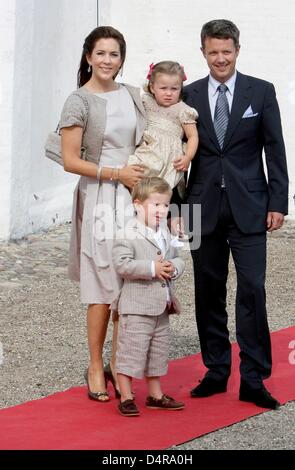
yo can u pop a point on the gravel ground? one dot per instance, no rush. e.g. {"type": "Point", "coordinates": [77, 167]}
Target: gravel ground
{"type": "Point", "coordinates": [43, 334]}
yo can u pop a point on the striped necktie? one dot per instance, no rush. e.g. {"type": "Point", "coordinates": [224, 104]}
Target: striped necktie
{"type": "Point", "coordinates": [221, 115]}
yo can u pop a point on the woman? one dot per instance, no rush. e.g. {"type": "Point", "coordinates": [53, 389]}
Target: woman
{"type": "Point", "coordinates": [107, 119]}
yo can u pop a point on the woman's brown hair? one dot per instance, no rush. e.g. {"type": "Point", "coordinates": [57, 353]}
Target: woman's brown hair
{"type": "Point", "coordinates": [102, 32]}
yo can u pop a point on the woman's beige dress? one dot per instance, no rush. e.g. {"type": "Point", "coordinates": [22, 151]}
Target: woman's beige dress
{"type": "Point", "coordinates": [100, 209]}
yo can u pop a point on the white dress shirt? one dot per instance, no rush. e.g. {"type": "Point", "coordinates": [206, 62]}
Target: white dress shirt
{"type": "Point", "coordinates": [213, 92]}
{"type": "Point", "coordinates": [161, 241]}
{"type": "Point", "coordinates": [160, 238]}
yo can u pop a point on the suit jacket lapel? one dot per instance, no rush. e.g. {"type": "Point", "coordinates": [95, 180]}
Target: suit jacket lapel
{"type": "Point", "coordinates": [148, 235]}
{"type": "Point", "coordinates": [167, 237]}
{"type": "Point", "coordinates": [145, 233]}
{"type": "Point", "coordinates": [241, 101]}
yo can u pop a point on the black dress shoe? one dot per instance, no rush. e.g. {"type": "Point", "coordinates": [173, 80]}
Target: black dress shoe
{"type": "Point", "coordinates": [209, 387]}
{"type": "Point", "coordinates": [260, 397]}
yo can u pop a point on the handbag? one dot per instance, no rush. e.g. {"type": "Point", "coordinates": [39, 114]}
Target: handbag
{"type": "Point", "coordinates": [53, 147]}
{"type": "Point", "coordinates": [53, 142]}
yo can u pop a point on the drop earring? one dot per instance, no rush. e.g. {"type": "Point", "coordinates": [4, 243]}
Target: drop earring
{"type": "Point", "coordinates": [121, 71]}
{"type": "Point", "coordinates": [89, 69]}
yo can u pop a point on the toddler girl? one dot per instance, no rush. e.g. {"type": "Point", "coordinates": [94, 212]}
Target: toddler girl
{"type": "Point", "coordinates": [169, 119]}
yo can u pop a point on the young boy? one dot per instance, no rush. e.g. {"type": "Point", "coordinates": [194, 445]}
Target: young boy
{"type": "Point", "coordinates": [146, 259]}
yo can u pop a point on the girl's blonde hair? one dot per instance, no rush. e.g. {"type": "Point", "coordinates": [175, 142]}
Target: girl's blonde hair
{"type": "Point", "coordinates": [166, 66]}
{"type": "Point", "coordinates": [146, 186]}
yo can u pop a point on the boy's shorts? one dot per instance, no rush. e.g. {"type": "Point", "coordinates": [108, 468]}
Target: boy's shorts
{"type": "Point", "coordinates": [143, 345]}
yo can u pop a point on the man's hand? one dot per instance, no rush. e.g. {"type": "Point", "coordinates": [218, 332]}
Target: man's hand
{"type": "Point", "coordinates": [274, 221]}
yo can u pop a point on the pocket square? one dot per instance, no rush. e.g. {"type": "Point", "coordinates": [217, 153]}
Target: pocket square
{"type": "Point", "coordinates": [249, 113]}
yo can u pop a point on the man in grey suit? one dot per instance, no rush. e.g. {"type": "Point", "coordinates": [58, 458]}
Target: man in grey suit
{"type": "Point", "coordinates": [238, 118]}
{"type": "Point", "coordinates": [147, 260]}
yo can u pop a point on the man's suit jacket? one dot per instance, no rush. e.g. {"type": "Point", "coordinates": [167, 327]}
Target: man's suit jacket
{"type": "Point", "coordinates": [250, 194]}
{"type": "Point", "coordinates": [133, 251]}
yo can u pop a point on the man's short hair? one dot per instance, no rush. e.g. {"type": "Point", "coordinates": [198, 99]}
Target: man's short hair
{"type": "Point", "coordinates": [220, 29]}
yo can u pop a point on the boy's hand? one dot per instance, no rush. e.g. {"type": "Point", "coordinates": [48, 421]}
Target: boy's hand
{"type": "Point", "coordinates": [164, 270]}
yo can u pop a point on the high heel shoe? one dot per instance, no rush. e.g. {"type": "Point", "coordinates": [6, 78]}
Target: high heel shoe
{"type": "Point", "coordinates": [110, 378]}
{"type": "Point", "coordinates": [96, 395]}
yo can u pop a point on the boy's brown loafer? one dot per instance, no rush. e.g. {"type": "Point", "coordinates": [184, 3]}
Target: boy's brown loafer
{"type": "Point", "coordinates": [164, 403]}
{"type": "Point", "coordinates": [128, 408]}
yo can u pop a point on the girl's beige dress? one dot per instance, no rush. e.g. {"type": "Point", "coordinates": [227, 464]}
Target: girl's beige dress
{"type": "Point", "coordinates": [162, 139]}
{"type": "Point", "coordinates": [102, 207]}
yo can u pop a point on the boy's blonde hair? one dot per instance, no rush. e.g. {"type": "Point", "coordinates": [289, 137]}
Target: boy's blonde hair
{"type": "Point", "coordinates": [147, 186]}
{"type": "Point", "coordinates": [166, 66]}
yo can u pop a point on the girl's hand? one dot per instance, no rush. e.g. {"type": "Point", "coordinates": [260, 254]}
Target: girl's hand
{"type": "Point", "coordinates": [130, 175]}
{"type": "Point", "coordinates": [181, 163]}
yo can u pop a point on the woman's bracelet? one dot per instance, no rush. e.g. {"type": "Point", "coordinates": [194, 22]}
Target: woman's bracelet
{"type": "Point", "coordinates": [118, 174]}
{"type": "Point", "coordinates": [115, 178]}
{"type": "Point", "coordinates": [112, 177]}
{"type": "Point", "coordinates": [98, 173]}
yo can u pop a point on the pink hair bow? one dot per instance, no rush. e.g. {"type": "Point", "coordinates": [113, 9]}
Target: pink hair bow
{"type": "Point", "coordinates": [152, 65]}
{"type": "Point", "coordinates": [184, 74]}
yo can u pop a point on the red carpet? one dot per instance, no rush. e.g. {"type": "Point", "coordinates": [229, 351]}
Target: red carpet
{"type": "Point", "coordinates": [68, 420]}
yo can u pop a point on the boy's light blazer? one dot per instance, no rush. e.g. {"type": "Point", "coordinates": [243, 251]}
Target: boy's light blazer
{"type": "Point", "coordinates": [141, 294]}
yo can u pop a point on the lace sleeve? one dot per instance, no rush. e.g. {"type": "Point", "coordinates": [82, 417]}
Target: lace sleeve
{"type": "Point", "coordinates": [148, 102]}
{"type": "Point", "coordinates": [188, 115]}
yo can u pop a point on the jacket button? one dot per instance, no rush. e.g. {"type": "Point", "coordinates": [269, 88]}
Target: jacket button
{"type": "Point", "coordinates": [159, 252]}
{"type": "Point", "coordinates": [163, 284]}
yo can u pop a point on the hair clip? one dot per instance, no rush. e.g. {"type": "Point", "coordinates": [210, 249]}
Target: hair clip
{"type": "Point", "coordinates": [150, 71]}
{"type": "Point", "coordinates": [184, 74]}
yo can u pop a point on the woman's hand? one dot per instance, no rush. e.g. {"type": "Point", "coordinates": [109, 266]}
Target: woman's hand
{"type": "Point", "coordinates": [130, 175]}
{"type": "Point", "coordinates": [181, 163]}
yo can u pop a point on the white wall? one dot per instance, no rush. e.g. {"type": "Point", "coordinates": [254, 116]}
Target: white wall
{"type": "Point", "coordinates": [40, 48]}
{"type": "Point", "coordinates": [60, 29]}
{"type": "Point", "coordinates": [46, 38]}
{"type": "Point", "coordinates": [170, 29]}
{"type": "Point", "coordinates": [7, 26]}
